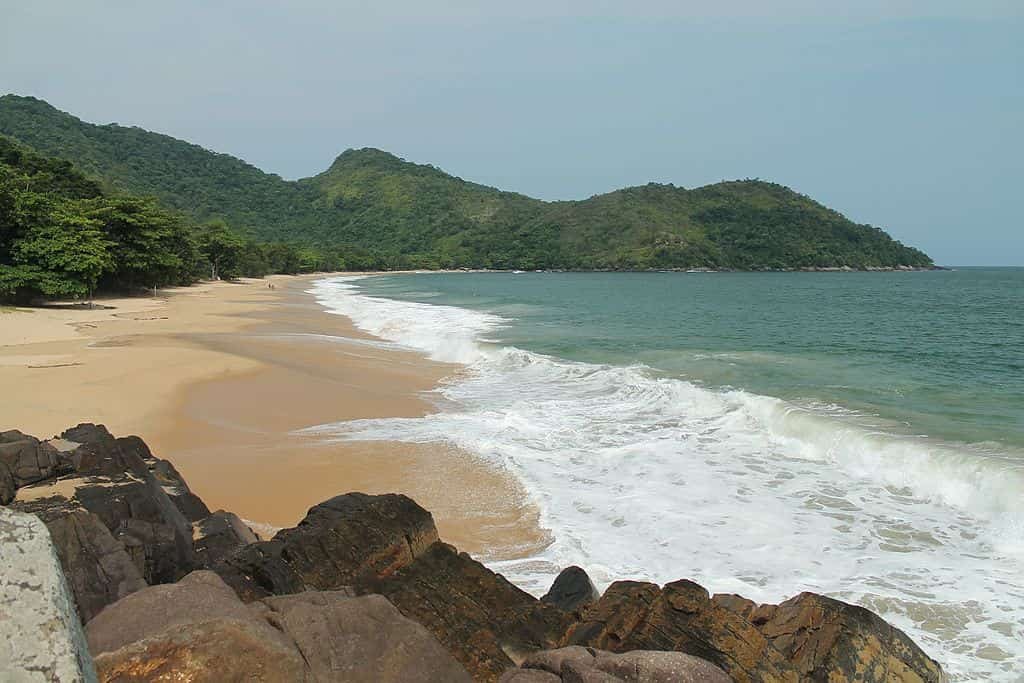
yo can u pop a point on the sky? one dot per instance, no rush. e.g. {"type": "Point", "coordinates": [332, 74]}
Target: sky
{"type": "Point", "coordinates": [904, 114]}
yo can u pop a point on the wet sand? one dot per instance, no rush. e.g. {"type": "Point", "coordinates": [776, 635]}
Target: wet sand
{"type": "Point", "coordinates": [217, 377]}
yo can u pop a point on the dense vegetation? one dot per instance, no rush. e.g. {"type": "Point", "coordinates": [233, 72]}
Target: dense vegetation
{"type": "Point", "coordinates": [371, 209]}
{"type": "Point", "coordinates": [62, 236]}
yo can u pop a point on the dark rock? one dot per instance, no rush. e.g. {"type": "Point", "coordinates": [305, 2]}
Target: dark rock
{"type": "Point", "coordinates": [479, 616]}
{"type": "Point", "coordinates": [133, 449]}
{"type": "Point", "coordinates": [100, 478]}
{"type": "Point", "coordinates": [259, 570]}
{"type": "Point", "coordinates": [572, 590]}
{"type": "Point", "coordinates": [681, 617]}
{"type": "Point", "coordinates": [342, 638]}
{"type": "Point", "coordinates": [29, 460]}
{"type": "Point", "coordinates": [830, 640]}
{"type": "Point", "coordinates": [350, 538]}
{"type": "Point", "coordinates": [220, 535]}
{"type": "Point", "coordinates": [97, 567]}
{"type": "Point", "coordinates": [8, 487]}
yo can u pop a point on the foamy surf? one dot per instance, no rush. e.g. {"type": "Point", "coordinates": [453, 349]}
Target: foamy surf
{"type": "Point", "coordinates": [648, 477]}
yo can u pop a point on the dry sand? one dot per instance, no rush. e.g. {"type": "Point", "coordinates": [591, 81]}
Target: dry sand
{"type": "Point", "coordinates": [216, 378]}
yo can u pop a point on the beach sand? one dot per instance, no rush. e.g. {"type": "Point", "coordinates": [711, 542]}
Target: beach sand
{"type": "Point", "coordinates": [216, 378]}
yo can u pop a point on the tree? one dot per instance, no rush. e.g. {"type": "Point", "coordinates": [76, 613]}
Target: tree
{"type": "Point", "coordinates": [63, 256]}
{"type": "Point", "coordinates": [151, 246]}
{"type": "Point", "coordinates": [221, 247]}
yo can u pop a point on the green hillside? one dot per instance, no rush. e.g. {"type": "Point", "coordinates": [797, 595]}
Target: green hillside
{"type": "Point", "coordinates": [376, 210]}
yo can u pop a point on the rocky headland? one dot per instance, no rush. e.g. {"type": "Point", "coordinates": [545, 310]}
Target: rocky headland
{"type": "Point", "coordinates": [114, 570]}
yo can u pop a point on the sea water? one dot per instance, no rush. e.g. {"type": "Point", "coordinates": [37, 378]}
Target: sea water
{"type": "Point", "coordinates": [859, 435]}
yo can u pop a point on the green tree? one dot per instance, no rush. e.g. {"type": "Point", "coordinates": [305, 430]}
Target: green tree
{"type": "Point", "coordinates": [65, 255]}
{"type": "Point", "coordinates": [222, 249]}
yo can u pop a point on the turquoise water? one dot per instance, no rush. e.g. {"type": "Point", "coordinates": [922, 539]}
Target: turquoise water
{"type": "Point", "coordinates": [856, 434]}
{"type": "Point", "coordinates": [940, 353]}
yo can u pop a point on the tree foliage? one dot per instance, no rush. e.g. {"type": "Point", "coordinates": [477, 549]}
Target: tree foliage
{"type": "Point", "coordinates": [372, 210]}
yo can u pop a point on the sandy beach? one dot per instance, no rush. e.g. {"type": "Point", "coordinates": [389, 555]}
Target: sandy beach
{"type": "Point", "coordinates": [218, 376]}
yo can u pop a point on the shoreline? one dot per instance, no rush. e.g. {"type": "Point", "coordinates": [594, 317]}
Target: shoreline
{"type": "Point", "coordinates": [216, 377]}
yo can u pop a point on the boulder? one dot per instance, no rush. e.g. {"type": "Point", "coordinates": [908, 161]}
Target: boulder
{"type": "Point", "coordinates": [572, 590]}
{"type": "Point", "coordinates": [8, 486]}
{"type": "Point", "coordinates": [552, 660]}
{"type": "Point", "coordinates": [680, 617]}
{"type": "Point", "coordinates": [348, 539]}
{"type": "Point", "coordinates": [218, 536]}
{"type": "Point", "coordinates": [587, 665]}
{"type": "Point", "coordinates": [830, 640]}
{"type": "Point", "coordinates": [528, 676]}
{"type": "Point", "coordinates": [198, 630]}
{"type": "Point", "coordinates": [641, 666]}
{"type": "Point", "coordinates": [96, 565]}
{"type": "Point", "coordinates": [111, 479]}
{"type": "Point", "coordinates": [40, 635]}
{"type": "Point", "coordinates": [479, 616]}
{"type": "Point", "coordinates": [343, 638]}
{"type": "Point", "coordinates": [29, 460]}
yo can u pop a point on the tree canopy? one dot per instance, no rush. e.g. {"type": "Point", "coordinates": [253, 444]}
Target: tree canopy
{"type": "Point", "coordinates": [373, 210]}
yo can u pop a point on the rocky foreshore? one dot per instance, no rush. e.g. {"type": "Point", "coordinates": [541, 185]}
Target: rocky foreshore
{"type": "Point", "coordinates": [362, 589]}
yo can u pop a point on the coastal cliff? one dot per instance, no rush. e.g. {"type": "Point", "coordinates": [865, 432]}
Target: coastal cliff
{"type": "Point", "coordinates": [363, 588]}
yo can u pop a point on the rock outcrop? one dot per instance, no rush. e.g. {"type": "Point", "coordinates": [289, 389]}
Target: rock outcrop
{"type": "Point", "coordinates": [363, 589]}
{"type": "Point", "coordinates": [587, 665]}
{"type": "Point", "coordinates": [388, 545]}
{"type": "Point", "coordinates": [198, 630]}
{"type": "Point", "coordinates": [40, 635]}
{"type": "Point", "coordinates": [479, 616]}
{"type": "Point", "coordinates": [343, 541]}
{"type": "Point", "coordinates": [572, 590]}
{"type": "Point", "coordinates": [120, 518]}
{"type": "Point", "coordinates": [809, 638]}
{"type": "Point", "coordinates": [830, 640]}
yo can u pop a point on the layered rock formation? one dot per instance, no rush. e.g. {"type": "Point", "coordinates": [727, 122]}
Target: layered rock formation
{"type": "Point", "coordinates": [363, 589]}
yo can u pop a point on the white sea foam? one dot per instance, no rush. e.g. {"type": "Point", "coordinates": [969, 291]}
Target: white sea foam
{"type": "Point", "coordinates": [640, 476]}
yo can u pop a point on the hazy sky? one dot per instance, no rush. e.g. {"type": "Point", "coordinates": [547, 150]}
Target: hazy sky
{"type": "Point", "coordinates": [907, 115]}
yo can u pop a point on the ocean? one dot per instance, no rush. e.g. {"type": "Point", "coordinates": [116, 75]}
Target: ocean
{"type": "Point", "coordinates": [859, 435]}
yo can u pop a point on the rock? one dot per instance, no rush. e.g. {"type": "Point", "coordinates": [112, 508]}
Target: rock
{"type": "Point", "coordinates": [573, 672]}
{"type": "Point", "coordinates": [173, 484]}
{"type": "Point", "coordinates": [114, 482]}
{"type": "Point", "coordinates": [194, 630]}
{"type": "Point", "coordinates": [347, 539]}
{"type": "Point", "coordinates": [40, 635]}
{"type": "Point", "coordinates": [483, 620]}
{"type": "Point", "coordinates": [680, 617]}
{"type": "Point", "coordinates": [528, 676]}
{"type": "Point", "coordinates": [218, 536]}
{"type": "Point", "coordinates": [572, 590]}
{"type": "Point", "coordinates": [211, 651]}
{"type": "Point", "coordinates": [552, 660]}
{"type": "Point", "coordinates": [830, 640]}
{"type": "Point", "coordinates": [29, 460]}
{"type": "Point", "coordinates": [587, 665]}
{"type": "Point", "coordinates": [735, 603]}
{"type": "Point", "coordinates": [198, 630]}
{"type": "Point", "coordinates": [96, 565]}
{"type": "Point", "coordinates": [8, 487]}
{"type": "Point", "coordinates": [342, 638]}
{"type": "Point", "coordinates": [640, 666]}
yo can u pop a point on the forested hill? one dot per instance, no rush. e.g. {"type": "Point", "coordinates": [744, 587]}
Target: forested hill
{"type": "Point", "coordinates": [377, 210]}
